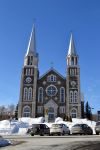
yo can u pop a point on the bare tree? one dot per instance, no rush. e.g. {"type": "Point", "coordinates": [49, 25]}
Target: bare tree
{"type": "Point", "coordinates": [2, 109]}
{"type": "Point", "coordinates": [7, 112]}
{"type": "Point", "coordinates": [11, 109]}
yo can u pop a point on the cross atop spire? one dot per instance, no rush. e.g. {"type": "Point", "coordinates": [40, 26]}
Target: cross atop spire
{"type": "Point", "coordinates": [52, 65]}
{"type": "Point", "coordinates": [32, 43]}
{"type": "Point", "coordinates": [71, 50]}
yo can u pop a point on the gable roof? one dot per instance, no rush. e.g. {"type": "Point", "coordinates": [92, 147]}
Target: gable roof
{"type": "Point", "coordinates": [52, 69]}
{"type": "Point", "coordinates": [51, 103]}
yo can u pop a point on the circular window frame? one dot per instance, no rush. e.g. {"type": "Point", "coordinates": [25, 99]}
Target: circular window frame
{"type": "Point", "coordinates": [28, 80]}
{"type": "Point", "coordinates": [52, 94]}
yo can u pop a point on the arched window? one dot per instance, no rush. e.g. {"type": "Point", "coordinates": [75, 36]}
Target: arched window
{"type": "Point", "coordinates": [25, 93]}
{"type": "Point", "coordinates": [51, 78]}
{"type": "Point", "coordinates": [30, 94]}
{"type": "Point", "coordinates": [40, 109]}
{"type": "Point", "coordinates": [26, 111]}
{"type": "Point", "coordinates": [40, 94]}
{"type": "Point", "coordinates": [29, 71]}
{"type": "Point", "coordinates": [72, 60]}
{"type": "Point", "coordinates": [74, 113]}
{"type": "Point", "coordinates": [26, 71]}
{"type": "Point", "coordinates": [75, 96]}
{"type": "Point", "coordinates": [73, 72]}
{"type": "Point", "coordinates": [62, 94]}
{"type": "Point", "coordinates": [71, 96]}
{"type": "Point", "coordinates": [30, 59]}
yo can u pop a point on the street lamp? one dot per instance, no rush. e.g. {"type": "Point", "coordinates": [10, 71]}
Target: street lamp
{"type": "Point", "coordinates": [10, 119]}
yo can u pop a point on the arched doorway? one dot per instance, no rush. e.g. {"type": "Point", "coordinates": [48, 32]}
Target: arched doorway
{"type": "Point", "coordinates": [26, 111]}
{"type": "Point", "coordinates": [51, 108]}
{"type": "Point", "coordinates": [74, 113]}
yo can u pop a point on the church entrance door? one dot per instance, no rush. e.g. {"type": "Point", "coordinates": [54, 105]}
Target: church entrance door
{"type": "Point", "coordinates": [51, 116]}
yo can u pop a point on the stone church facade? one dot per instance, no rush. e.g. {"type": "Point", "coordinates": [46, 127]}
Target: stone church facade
{"type": "Point", "coordinates": [50, 95]}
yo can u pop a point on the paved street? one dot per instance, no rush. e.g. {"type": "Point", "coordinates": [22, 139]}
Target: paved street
{"type": "Point", "coordinates": [54, 142]}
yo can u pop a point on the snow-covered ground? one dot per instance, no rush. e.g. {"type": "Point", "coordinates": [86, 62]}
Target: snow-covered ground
{"type": "Point", "coordinates": [20, 126]}
{"type": "Point", "coordinates": [4, 142]}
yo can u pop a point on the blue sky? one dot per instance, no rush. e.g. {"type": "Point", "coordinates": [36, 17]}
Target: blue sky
{"type": "Point", "coordinates": [54, 21]}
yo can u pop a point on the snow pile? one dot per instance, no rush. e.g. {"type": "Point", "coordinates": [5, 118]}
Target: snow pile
{"type": "Point", "coordinates": [4, 142]}
{"type": "Point", "coordinates": [58, 119]}
{"type": "Point", "coordinates": [26, 122]}
{"type": "Point", "coordinates": [5, 127]}
{"type": "Point", "coordinates": [5, 124]}
{"type": "Point", "coordinates": [77, 121]}
{"type": "Point", "coordinates": [21, 126]}
{"type": "Point", "coordinates": [18, 126]}
{"type": "Point", "coordinates": [86, 121]}
{"type": "Point", "coordinates": [31, 121]}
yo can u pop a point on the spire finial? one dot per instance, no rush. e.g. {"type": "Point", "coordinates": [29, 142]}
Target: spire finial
{"type": "Point", "coordinates": [71, 50]}
{"type": "Point", "coordinates": [52, 64]}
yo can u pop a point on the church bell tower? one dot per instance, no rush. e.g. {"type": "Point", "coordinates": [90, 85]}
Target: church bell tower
{"type": "Point", "coordinates": [73, 103]}
{"type": "Point", "coordinates": [27, 100]}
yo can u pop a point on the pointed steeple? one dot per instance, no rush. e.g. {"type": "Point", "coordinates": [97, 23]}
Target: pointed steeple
{"type": "Point", "coordinates": [71, 50]}
{"type": "Point", "coordinates": [32, 43]}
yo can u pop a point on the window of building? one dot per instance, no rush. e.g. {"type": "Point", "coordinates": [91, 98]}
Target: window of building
{"type": "Point", "coordinates": [30, 60]}
{"type": "Point", "coordinates": [74, 113]}
{"type": "Point", "coordinates": [26, 93]}
{"type": "Point", "coordinates": [75, 96]}
{"type": "Point", "coordinates": [71, 96]}
{"type": "Point", "coordinates": [72, 61]}
{"type": "Point", "coordinates": [62, 94]}
{"type": "Point", "coordinates": [30, 94]}
{"type": "Point", "coordinates": [51, 110]}
{"type": "Point", "coordinates": [28, 71]}
{"type": "Point", "coordinates": [72, 73]}
{"type": "Point", "coordinates": [51, 90]}
{"type": "Point", "coordinates": [26, 111]}
{"type": "Point", "coordinates": [61, 109]}
{"type": "Point", "coordinates": [40, 94]}
{"type": "Point", "coordinates": [31, 71]}
{"type": "Point", "coordinates": [40, 109]}
{"type": "Point", "coordinates": [51, 78]}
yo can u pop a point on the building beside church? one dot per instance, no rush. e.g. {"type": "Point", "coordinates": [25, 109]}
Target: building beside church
{"type": "Point", "coordinates": [51, 94]}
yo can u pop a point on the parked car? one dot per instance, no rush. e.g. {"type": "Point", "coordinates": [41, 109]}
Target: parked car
{"type": "Point", "coordinates": [39, 129]}
{"type": "Point", "coordinates": [29, 129]}
{"type": "Point", "coordinates": [81, 129]}
{"type": "Point", "coordinates": [97, 128]}
{"type": "Point", "coordinates": [59, 129]}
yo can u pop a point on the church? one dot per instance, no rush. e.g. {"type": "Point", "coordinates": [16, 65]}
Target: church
{"type": "Point", "coordinates": [50, 95]}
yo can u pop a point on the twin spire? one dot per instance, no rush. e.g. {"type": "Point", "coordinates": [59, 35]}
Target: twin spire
{"type": "Point", "coordinates": [72, 50]}
{"type": "Point", "coordinates": [32, 43]}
